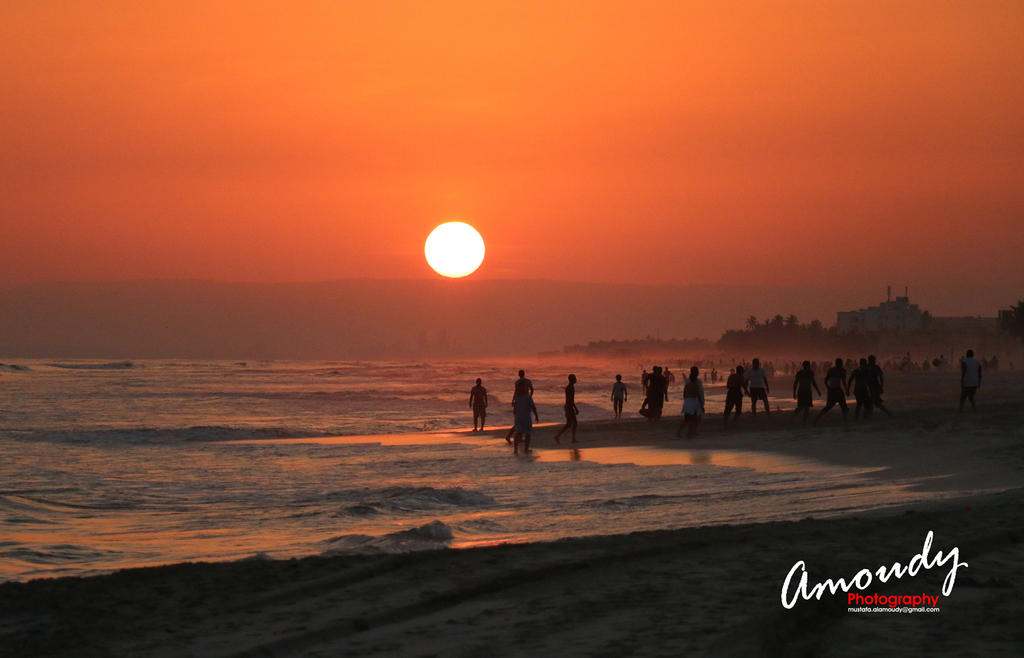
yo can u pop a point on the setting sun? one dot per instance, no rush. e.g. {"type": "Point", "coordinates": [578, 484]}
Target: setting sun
{"type": "Point", "coordinates": [454, 249]}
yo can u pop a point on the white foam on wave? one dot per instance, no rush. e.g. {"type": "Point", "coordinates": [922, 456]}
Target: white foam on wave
{"type": "Point", "coordinates": [410, 499]}
{"type": "Point", "coordinates": [256, 557]}
{"type": "Point", "coordinates": [433, 535]}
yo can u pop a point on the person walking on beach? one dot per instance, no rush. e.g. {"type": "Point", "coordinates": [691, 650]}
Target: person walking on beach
{"type": "Point", "coordinates": [522, 408]}
{"type": "Point", "coordinates": [657, 395]}
{"type": "Point", "coordinates": [527, 385]}
{"type": "Point", "coordinates": [835, 388]}
{"type": "Point", "coordinates": [618, 396]}
{"type": "Point", "coordinates": [970, 379]}
{"type": "Point", "coordinates": [862, 394]}
{"type": "Point", "coordinates": [570, 410]}
{"type": "Point", "coordinates": [693, 404]}
{"type": "Point", "coordinates": [757, 384]}
{"type": "Point", "coordinates": [802, 383]}
{"type": "Point", "coordinates": [876, 384]}
{"type": "Point", "coordinates": [735, 387]}
{"type": "Point", "coordinates": [478, 403]}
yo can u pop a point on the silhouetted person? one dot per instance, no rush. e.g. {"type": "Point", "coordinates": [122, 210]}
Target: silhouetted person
{"type": "Point", "coordinates": [859, 382]}
{"type": "Point", "coordinates": [570, 410]}
{"type": "Point", "coordinates": [657, 394]}
{"type": "Point", "coordinates": [645, 377]}
{"type": "Point", "coordinates": [876, 384]}
{"type": "Point", "coordinates": [802, 383]}
{"type": "Point", "coordinates": [735, 387]}
{"type": "Point", "coordinates": [522, 409]}
{"type": "Point", "coordinates": [757, 384]}
{"type": "Point", "coordinates": [526, 385]}
{"type": "Point", "coordinates": [693, 404]}
{"type": "Point", "coordinates": [478, 402]}
{"type": "Point", "coordinates": [522, 379]}
{"type": "Point", "coordinates": [835, 388]}
{"type": "Point", "coordinates": [619, 396]}
{"type": "Point", "coordinates": [970, 379]}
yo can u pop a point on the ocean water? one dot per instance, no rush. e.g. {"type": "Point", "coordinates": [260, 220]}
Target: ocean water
{"type": "Point", "coordinates": [111, 465]}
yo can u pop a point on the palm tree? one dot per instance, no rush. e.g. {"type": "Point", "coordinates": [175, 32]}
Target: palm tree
{"type": "Point", "coordinates": [752, 323]}
{"type": "Point", "coordinates": [792, 321]}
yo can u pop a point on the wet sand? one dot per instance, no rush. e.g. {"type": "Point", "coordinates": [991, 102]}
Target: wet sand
{"type": "Point", "coordinates": [698, 591]}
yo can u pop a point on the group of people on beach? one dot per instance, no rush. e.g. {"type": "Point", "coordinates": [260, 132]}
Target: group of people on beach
{"type": "Point", "coordinates": [524, 411]}
{"type": "Point", "coordinates": [866, 382]}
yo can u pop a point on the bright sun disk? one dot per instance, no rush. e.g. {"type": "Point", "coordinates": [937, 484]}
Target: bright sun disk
{"type": "Point", "coordinates": [454, 249]}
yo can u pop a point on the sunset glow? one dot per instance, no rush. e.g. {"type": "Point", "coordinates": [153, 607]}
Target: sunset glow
{"type": "Point", "coordinates": [251, 142]}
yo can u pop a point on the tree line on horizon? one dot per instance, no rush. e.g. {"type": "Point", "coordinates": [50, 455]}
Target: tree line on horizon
{"type": "Point", "coordinates": [779, 332]}
{"type": "Point", "coordinates": [640, 346]}
{"type": "Point", "coordinates": [776, 333]}
{"type": "Point", "coordinates": [786, 332]}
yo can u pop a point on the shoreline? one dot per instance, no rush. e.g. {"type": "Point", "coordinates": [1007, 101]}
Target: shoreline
{"type": "Point", "coordinates": [939, 447]}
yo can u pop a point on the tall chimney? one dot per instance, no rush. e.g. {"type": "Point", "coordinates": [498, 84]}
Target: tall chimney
{"type": "Point", "coordinates": [906, 291]}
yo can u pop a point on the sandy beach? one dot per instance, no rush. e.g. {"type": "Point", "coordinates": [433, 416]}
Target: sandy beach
{"type": "Point", "coordinates": [708, 590]}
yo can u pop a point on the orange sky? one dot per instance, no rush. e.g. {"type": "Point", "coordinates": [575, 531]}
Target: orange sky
{"type": "Point", "coordinates": [636, 141]}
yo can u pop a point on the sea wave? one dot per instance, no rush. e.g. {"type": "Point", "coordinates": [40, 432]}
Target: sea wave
{"type": "Point", "coordinates": [27, 520]}
{"type": "Point", "coordinates": [472, 527]}
{"type": "Point", "coordinates": [784, 486]}
{"type": "Point", "coordinates": [55, 554]}
{"type": "Point", "coordinates": [429, 536]}
{"type": "Point", "coordinates": [362, 395]}
{"type": "Point", "coordinates": [161, 435]}
{"type": "Point", "coordinates": [199, 433]}
{"type": "Point", "coordinates": [632, 501]}
{"type": "Point", "coordinates": [114, 365]}
{"type": "Point", "coordinates": [49, 505]}
{"type": "Point", "coordinates": [256, 557]}
{"type": "Point", "coordinates": [409, 499]}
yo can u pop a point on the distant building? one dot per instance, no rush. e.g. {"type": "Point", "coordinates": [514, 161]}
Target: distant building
{"type": "Point", "coordinates": [892, 315]}
{"type": "Point", "coordinates": [898, 314]}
